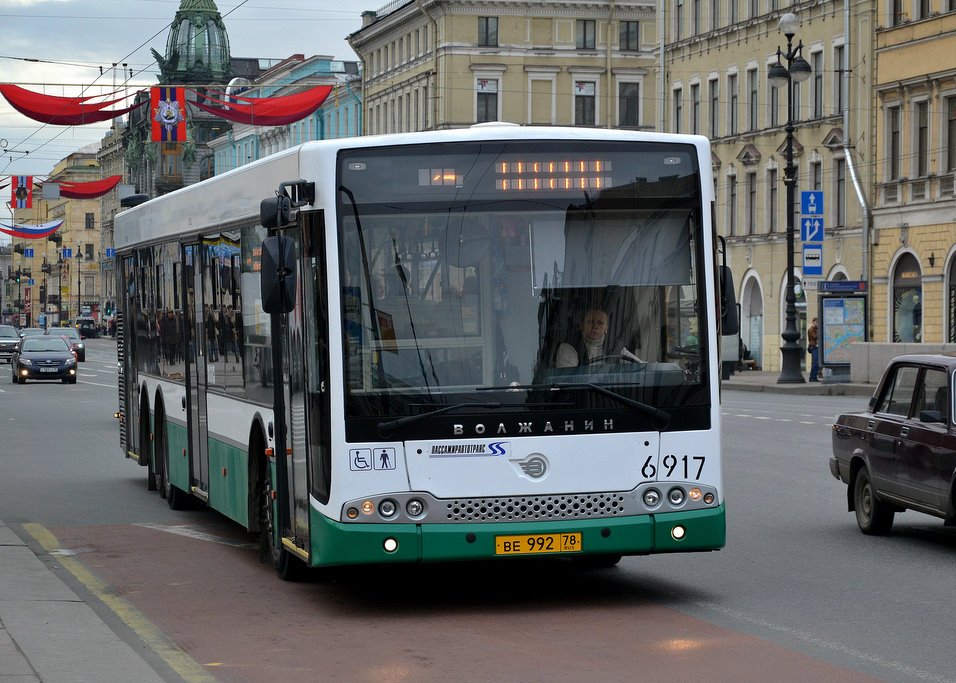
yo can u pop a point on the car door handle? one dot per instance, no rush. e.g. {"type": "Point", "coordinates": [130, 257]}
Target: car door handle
{"type": "Point", "coordinates": [904, 431]}
{"type": "Point", "coordinates": [871, 425]}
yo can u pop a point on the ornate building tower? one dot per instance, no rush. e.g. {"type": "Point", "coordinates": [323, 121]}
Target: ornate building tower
{"type": "Point", "coordinates": [197, 56]}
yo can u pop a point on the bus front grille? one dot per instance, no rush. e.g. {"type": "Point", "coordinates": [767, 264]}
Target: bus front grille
{"type": "Point", "coordinates": [530, 508]}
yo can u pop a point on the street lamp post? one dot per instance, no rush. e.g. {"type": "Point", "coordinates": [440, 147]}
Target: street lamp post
{"type": "Point", "coordinates": [77, 314]}
{"type": "Point", "coordinates": [796, 71]}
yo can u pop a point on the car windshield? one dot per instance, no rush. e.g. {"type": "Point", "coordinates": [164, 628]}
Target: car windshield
{"type": "Point", "coordinates": [40, 345]}
{"type": "Point", "coordinates": [8, 333]}
{"type": "Point", "coordinates": [30, 331]}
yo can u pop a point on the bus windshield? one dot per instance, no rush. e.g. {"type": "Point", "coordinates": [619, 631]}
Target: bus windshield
{"type": "Point", "coordinates": [494, 271]}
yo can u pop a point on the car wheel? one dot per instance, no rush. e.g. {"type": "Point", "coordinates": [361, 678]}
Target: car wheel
{"type": "Point", "coordinates": [874, 517]}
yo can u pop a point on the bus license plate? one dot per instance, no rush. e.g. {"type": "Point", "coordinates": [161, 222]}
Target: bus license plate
{"type": "Point", "coordinates": [535, 544]}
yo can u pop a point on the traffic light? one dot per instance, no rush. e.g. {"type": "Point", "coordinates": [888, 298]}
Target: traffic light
{"type": "Point", "coordinates": [18, 277]}
{"type": "Point", "coordinates": [109, 308]}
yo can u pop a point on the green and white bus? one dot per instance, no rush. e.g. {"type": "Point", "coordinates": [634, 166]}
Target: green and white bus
{"type": "Point", "coordinates": [372, 350]}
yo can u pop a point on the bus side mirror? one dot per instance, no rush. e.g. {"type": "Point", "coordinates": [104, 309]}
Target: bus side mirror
{"type": "Point", "coordinates": [729, 320]}
{"type": "Point", "coordinates": [275, 211]}
{"type": "Point", "coordinates": [277, 275]}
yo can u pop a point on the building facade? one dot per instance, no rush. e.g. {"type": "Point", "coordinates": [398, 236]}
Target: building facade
{"type": "Point", "coordinates": [435, 64]}
{"type": "Point", "coordinates": [914, 251]}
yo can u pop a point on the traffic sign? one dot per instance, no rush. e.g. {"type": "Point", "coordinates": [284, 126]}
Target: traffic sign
{"type": "Point", "coordinates": [28, 252]}
{"type": "Point", "coordinates": [31, 282]}
{"type": "Point", "coordinates": [811, 228]}
{"type": "Point", "coordinates": [67, 252]}
{"type": "Point", "coordinates": [812, 260]}
{"type": "Point", "coordinates": [811, 202]}
{"type": "Point", "coordinates": [843, 286]}
{"type": "Point", "coordinates": [110, 252]}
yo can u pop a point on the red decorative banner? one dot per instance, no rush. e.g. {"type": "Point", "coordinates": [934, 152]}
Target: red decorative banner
{"type": "Point", "coordinates": [268, 111]}
{"type": "Point", "coordinates": [167, 109]}
{"type": "Point", "coordinates": [61, 111]}
{"type": "Point", "coordinates": [21, 193]}
{"type": "Point", "coordinates": [89, 190]}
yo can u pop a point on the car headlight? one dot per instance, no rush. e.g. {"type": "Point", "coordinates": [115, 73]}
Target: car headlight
{"type": "Point", "coordinates": [70, 361]}
{"type": "Point", "coordinates": [25, 361]}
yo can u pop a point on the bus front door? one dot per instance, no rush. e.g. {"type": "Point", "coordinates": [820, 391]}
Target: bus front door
{"type": "Point", "coordinates": [196, 370]}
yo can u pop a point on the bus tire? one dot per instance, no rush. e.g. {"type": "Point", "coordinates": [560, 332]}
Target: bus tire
{"type": "Point", "coordinates": [874, 517]}
{"type": "Point", "coordinates": [175, 498]}
{"type": "Point", "coordinates": [287, 566]}
{"type": "Point", "coordinates": [146, 447]}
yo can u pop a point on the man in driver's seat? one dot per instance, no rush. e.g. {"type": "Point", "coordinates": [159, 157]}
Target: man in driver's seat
{"type": "Point", "coordinates": [590, 344]}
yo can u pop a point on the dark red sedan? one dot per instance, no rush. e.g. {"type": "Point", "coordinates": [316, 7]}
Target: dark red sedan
{"type": "Point", "coordinates": [900, 453]}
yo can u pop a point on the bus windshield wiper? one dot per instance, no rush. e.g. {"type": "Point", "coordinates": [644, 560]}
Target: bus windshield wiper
{"type": "Point", "coordinates": [661, 418]}
{"type": "Point", "coordinates": [388, 427]}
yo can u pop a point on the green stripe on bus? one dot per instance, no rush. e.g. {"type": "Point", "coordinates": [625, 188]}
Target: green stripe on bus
{"type": "Point", "coordinates": [229, 481]}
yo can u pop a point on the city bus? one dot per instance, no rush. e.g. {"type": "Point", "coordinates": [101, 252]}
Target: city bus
{"type": "Point", "coordinates": [373, 350]}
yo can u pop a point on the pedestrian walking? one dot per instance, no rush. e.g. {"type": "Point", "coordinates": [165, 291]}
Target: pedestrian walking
{"type": "Point", "coordinates": [813, 338]}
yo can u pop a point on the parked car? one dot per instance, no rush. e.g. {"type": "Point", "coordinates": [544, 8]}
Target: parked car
{"type": "Point", "coordinates": [87, 328]}
{"type": "Point", "coordinates": [44, 357]}
{"type": "Point", "coordinates": [8, 342]}
{"type": "Point", "coordinates": [900, 453]}
{"type": "Point", "coordinates": [72, 335]}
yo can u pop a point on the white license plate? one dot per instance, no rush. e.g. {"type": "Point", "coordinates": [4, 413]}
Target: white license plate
{"type": "Point", "coordinates": [49, 369]}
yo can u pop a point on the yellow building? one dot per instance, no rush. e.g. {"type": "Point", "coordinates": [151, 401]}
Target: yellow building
{"type": "Point", "coordinates": [432, 64]}
{"type": "Point", "coordinates": [914, 250]}
{"type": "Point", "coordinates": [716, 60]}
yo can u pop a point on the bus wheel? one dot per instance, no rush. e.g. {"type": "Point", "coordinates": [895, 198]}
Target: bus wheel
{"type": "Point", "coordinates": [287, 566]}
{"type": "Point", "coordinates": [175, 498]}
{"type": "Point", "coordinates": [874, 517]}
{"type": "Point", "coordinates": [596, 561]}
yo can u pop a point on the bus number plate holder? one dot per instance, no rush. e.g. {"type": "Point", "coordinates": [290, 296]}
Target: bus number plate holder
{"type": "Point", "coordinates": [538, 544]}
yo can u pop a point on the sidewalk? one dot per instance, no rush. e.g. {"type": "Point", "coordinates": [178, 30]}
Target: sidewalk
{"type": "Point", "coordinates": [759, 380]}
{"type": "Point", "coordinates": [48, 634]}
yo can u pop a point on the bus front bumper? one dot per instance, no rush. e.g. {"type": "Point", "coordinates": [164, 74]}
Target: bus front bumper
{"type": "Point", "coordinates": [335, 543]}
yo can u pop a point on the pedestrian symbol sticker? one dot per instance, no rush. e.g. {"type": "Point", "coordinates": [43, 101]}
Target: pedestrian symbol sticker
{"type": "Point", "coordinates": [384, 459]}
{"type": "Point", "coordinates": [360, 459]}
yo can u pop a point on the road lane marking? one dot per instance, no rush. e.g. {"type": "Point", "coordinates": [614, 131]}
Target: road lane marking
{"type": "Point", "coordinates": [153, 637]}
{"type": "Point", "coordinates": [189, 532]}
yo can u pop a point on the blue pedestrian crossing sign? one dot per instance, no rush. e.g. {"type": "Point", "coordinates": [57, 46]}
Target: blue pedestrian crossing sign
{"type": "Point", "coordinates": [811, 228]}
{"type": "Point", "coordinates": [28, 252]}
{"type": "Point", "coordinates": [811, 202]}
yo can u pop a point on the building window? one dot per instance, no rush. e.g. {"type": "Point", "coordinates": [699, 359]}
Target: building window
{"type": "Point", "coordinates": [797, 100]}
{"type": "Point", "coordinates": [751, 203]}
{"type": "Point", "coordinates": [772, 200]}
{"type": "Point", "coordinates": [896, 11]}
{"type": "Point", "coordinates": [695, 18]}
{"type": "Point", "coordinates": [88, 251]}
{"type": "Point", "coordinates": [816, 61]}
{"type": "Point", "coordinates": [922, 139]}
{"type": "Point", "coordinates": [839, 89]}
{"type": "Point", "coordinates": [951, 133]}
{"type": "Point", "coordinates": [628, 105]}
{"type": "Point", "coordinates": [732, 204]}
{"type": "Point", "coordinates": [487, 102]}
{"type": "Point", "coordinates": [732, 12]}
{"type": "Point", "coordinates": [679, 20]}
{"type": "Point", "coordinates": [839, 199]}
{"type": "Point", "coordinates": [585, 34]}
{"type": "Point", "coordinates": [754, 8]}
{"type": "Point", "coordinates": [695, 108]}
{"type": "Point", "coordinates": [907, 300]}
{"type": "Point", "coordinates": [732, 113]}
{"type": "Point", "coordinates": [714, 108]}
{"type": "Point", "coordinates": [923, 9]}
{"type": "Point", "coordinates": [816, 175]}
{"type": "Point", "coordinates": [893, 139]}
{"type": "Point", "coordinates": [774, 105]}
{"type": "Point", "coordinates": [630, 36]}
{"type": "Point", "coordinates": [488, 31]}
{"type": "Point", "coordinates": [951, 300]}
{"type": "Point", "coordinates": [753, 92]}
{"type": "Point", "coordinates": [584, 103]}
{"type": "Point", "coordinates": [678, 109]}
{"type": "Point", "coordinates": [714, 14]}
{"type": "Point", "coordinates": [88, 221]}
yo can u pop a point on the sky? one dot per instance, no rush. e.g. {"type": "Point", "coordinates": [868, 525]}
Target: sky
{"type": "Point", "coordinates": [59, 47]}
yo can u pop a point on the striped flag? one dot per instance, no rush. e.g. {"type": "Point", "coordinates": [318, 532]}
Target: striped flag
{"type": "Point", "coordinates": [167, 109]}
{"type": "Point", "coordinates": [21, 192]}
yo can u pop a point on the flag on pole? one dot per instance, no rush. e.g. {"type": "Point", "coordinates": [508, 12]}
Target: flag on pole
{"type": "Point", "coordinates": [21, 192]}
{"type": "Point", "coordinates": [167, 109]}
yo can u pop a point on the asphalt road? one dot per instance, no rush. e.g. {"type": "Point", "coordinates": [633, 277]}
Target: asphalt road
{"type": "Point", "coordinates": [797, 594]}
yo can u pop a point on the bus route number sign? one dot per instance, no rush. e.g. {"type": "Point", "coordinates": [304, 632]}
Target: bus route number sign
{"type": "Point", "coordinates": [536, 544]}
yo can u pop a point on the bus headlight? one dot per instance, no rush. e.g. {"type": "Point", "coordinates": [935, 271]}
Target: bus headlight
{"type": "Point", "coordinates": [387, 508]}
{"type": "Point", "coordinates": [652, 497]}
{"type": "Point", "coordinates": [676, 496]}
{"type": "Point", "coordinates": [414, 507]}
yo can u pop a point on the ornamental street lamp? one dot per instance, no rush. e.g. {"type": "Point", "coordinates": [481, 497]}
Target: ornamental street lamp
{"type": "Point", "coordinates": [795, 72]}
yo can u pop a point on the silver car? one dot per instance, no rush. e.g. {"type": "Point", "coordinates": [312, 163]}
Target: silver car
{"type": "Point", "coordinates": [8, 342]}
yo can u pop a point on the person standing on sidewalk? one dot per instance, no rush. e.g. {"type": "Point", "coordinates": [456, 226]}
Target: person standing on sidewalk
{"type": "Point", "coordinates": [813, 338]}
